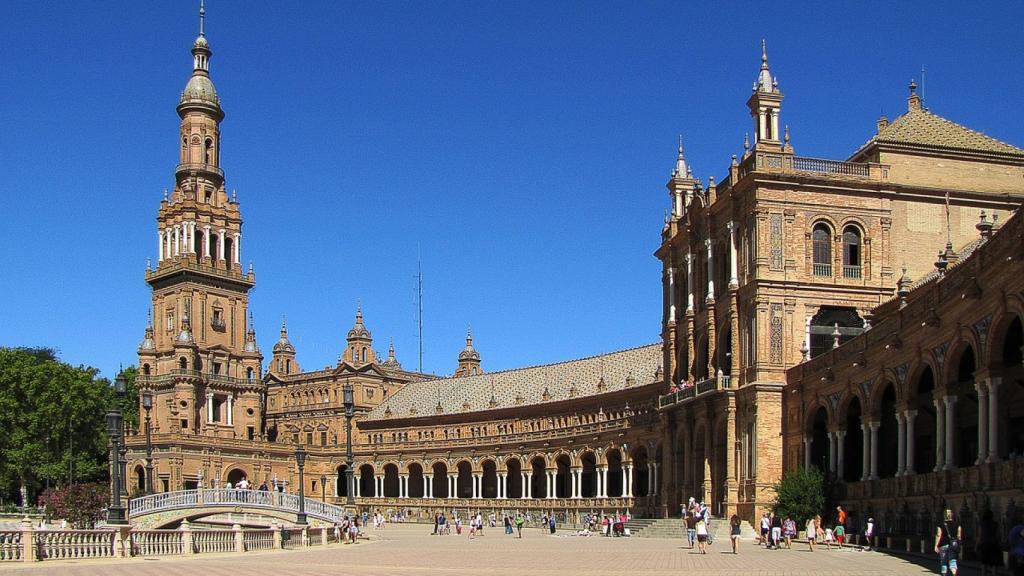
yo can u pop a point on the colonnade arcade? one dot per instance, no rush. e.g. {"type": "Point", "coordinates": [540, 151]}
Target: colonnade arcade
{"type": "Point", "coordinates": [614, 472]}
{"type": "Point", "coordinates": [959, 404]}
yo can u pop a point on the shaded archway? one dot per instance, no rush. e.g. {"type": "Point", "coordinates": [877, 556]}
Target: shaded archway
{"type": "Point", "coordinates": [563, 480]}
{"type": "Point", "coordinates": [464, 482]}
{"type": "Point", "coordinates": [489, 480]}
{"type": "Point", "coordinates": [826, 321]}
{"type": "Point", "coordinates": [538, 478]}
{"type": "Point", "coordinates": [924, 422]}
{"type": "Point", "coordinates": [390, 481]}
{"type": "Point", "coordinates": [700, 463]}
{"type": "Point", "coordinates": [366, 482]}
{"type": "Point", "coordinates": [720, 461]}
{"type": "Point", "coordinates": [341, 482]}
{"type": "Point", "coordinates": [701, 368]}
{"type": "Point", "coordinates": [614, 458]}
{"type": "Point", "coordinates": [235, 476]}
{"type": "Point", "coordinates": [440, 486]}
{"type": "Point", "coordinates": [724, 352]}
{"type": "Point", "coordinates": [416, 488]}
{"type": "Point", "coordinates": [1010, 413]}
{"type": "Point", "coordinates": [965, 421]}
{"type": "Point", "coordinates": [853, 465]}
{"type": "Point", "coordinates": [140, 480]}
{"type": "Point", "coordinates": [818, 433]}
{"type": "Point", "coordinates": [514, 478]}
{"type": "Point", "coordinates": [588, 485]}
{"type": "Point", "coordinates": [888, 434]}
{"type": "Point", "coordinates": [641, 472]}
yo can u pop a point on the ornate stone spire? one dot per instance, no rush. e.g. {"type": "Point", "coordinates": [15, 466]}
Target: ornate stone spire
{"type": "Point", "coordinates": [250, 337]}
{"type": "Point", "coordinates": [391, 362]}
{"type": "Point", "coordinates": [283, 343]}
{"type": "Point", "coordinates": [147, 340]}
{"type": "Point", "coordinates": [764, 77]}
{"type": "Point", "coordinates": [469, 358]}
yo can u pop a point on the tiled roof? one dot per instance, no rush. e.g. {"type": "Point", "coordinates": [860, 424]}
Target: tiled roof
{"type": "Point", "coordinates": [919, 127]}
{"type": "Point", "coordinates": [525, 386]}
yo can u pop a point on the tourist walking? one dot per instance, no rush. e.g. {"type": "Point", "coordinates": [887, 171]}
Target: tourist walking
{"type": "Point", "coordinates": [702, 535]}
{"type": "Point", "coordinates": [551, 523]}
{"type": "Point", "coordinates": [519, 524]}
{"type": "Point", "coordinates": [691, 527]}
{"type": "Point", "coordinates": [812, 533]}
{"type": "Point", "coordinates": [869, 534]}
{"type": "Point", "coordinates": [766, 527]}
{"type": "Point", "coordinates": [948, 536]}
{"type": "Point", "coordinates": [776, 522]}
{"type": "Point", "coordinates": [734, 533]}
{"type": "Point", "coordinates": [789, 531]}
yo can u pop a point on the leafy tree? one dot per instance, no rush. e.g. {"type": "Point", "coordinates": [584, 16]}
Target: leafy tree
{"type": "Point", "coordinates": [52, 415]}
{"type": "Point", "coordinates": [81, 505]}
{"type": "Point", "coordinates": [800, 494]}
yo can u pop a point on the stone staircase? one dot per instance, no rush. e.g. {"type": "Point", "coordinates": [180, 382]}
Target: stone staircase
{"type": "Point", "coordinates": [674, 528]}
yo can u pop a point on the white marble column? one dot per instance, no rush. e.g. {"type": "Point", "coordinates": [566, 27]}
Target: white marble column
{"type": "Point", "coordinates": [168, 244]}
{"type": "Point", "coordinates": [901, 444]}
{"type": "Point", "coordinates": [190, 237]}
{"type": "Point", "coordinates": [629, 481]}
{"type": "Point", "coordinates": [604, 482]}
{"type": "Point", "coordinates": [428, 486]}
{"type": "Point", "coordinates": [993, 418]}
{"type": "Point", "coordinates": [236, 248]}
{"type": "Point", "coordinates": [711, 270]}
{"type": "Point", "coordinates": [231, 410]}
{"type": "Point", "coordinates": [689, 282]}
{"type": "Point", "coordinates": [908, 417]}
{"type": "Point", "coordinates": [831, 451]}
{"type": "Point", "coordinates": [671, 294]}
{"type": "Point", "coordinates": [982, 390]}
{"type": "Point", "coordinates": [865, 452]}
{"type": "Point", "coordinates": [573, 483]}
{"type": "Point", "coordinates": [209, 407]}
{"type": "Point", "coordinates": [177, 239]}
{"type": "Point", "coordinates": [452, 485]}
{"type": "Point", "coordinates": [840, 453]}
{"type": "Point", "coordinates": [733, 269]}
{"type": "Point", "coordinates": [206, 241]}
{"type": "Point", "coordinates": [950, 432]}
{"type": "Point", "coordinates": [404, 485]}
{"type": "Point", "coordinates": [552, 478]}
{"type": "Point", "coordinates": [220, 245]}
{"type": "Point", "coordinates": [874, 450]}
{"type": "Point", "coordinates": [160, 245]}
{"type": "Point", "coordinates": [940, 434]}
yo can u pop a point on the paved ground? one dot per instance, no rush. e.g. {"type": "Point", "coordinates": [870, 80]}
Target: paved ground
{"type": "Point", "coordinates": [410, 549]}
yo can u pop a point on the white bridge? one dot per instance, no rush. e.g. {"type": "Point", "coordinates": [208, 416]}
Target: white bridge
{"type": "Point", "coordinates": [166, 508]}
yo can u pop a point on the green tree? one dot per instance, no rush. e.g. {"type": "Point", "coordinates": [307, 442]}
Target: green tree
{"type": "Point", "coordinates": [80, 504]}
{"type": "Point", "coordinates": [800, 494]}
{"type": "Point", "coordinates": [52, 415]}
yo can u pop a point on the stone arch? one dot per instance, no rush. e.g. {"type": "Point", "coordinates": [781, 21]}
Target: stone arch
{"type": "Point", "coordinates": [139, 473]}
{"type": "Point", "coordinates": [888, 429]}
{"type": "Point", "coordinates": [489, 478]}
{"type": "Point", "coordinates": [816, 429]}
{"type": "Point", "coordinates": [514, 475]}
{"type": "Point", "coordinates": [341, 481]}
{"type": "Point", "coordinates": [921, 399]}
{"type": "Point", "coordinates": [641, 472]}
{"type": "Point", "coordinates": [588, 464]}
{"type": "Point", "coordinates": [538, 476]}
{"type": "Point", "coordinates": [235, 473]}
{"type": "Point", "coordinates": [367, 484]}
{"type": "Point", "coordinates": [853, 421]}
{"type": "Point", "coordinates": [415, 487]}
{"type": "Point", "coordinates": [391, 481]}
{"type": "Point", "coordinates": [961, 385]}
{"type": "Point", "coordinates": [1004, 334]}
{"type": "Point", "coordinates": [439, 488]}
{"type": "Point", "coordinates": [966, 343]}
{"type": "Point", "coordinates": [464, 479]}
{"type": "Point", "coordinates": [563, 470]}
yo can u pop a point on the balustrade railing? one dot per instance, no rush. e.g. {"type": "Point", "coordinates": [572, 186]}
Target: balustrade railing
{"type": "Point", "coordinates": [820, 165]}
{"type": "Point", "coordinates": [701, 387]}
{"type": "Point", "coordinates": [822, 270]}
{"type": "Point", "coordinates": [206, 541]}
{"type": "Point", "coordinates": [232, 497]}
{"type": "Point", "coordinates": [851, 271]}
{"type": "Point", "coordinates": [10, 546]}
{"type": "Point", "coordinates": [157, 542]}
{"type": "Point", "coordinates": [73, 544]}
{"type": "Point", "coordinates": [258, 539]}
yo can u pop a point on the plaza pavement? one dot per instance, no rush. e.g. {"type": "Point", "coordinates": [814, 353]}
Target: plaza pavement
{"type": "Point", "coordinates": [409, 549]}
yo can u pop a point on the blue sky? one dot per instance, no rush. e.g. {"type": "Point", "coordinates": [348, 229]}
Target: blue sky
{"type": "Point", "coordinates": [521, 147]}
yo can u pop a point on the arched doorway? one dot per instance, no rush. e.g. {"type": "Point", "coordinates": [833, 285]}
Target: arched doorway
{"type": "Point", "coordinates": [588, 487]}
{"type": "Point", "coordinates": [235, 476]}
{"type": "Point", "coordinates": [826, 321]}
{"type": "Point", "coordinates": [641, 472]}
{"type": "Point", "coordinates": [614, 458]}
{"type": "Point", "coordinates": [700, 370]}
{"type": "Point", "coordinates": [563, 480]}
{"type": "Point", "coordinates": [440, 487]}
{"type": "Point", "coordinates": [924, 423]}
{"type": "Point", "coordinates": [818, 434]}
{"type": "Point", "coordinates": [1010, 413]}
{"type": "Point", "coordinates": [416, 487]}
{"type": "Point", "coordinates": [853, 466]}
{"type": "Point", "coordinates": [341, 483]}
{"type": "Point", "coordinates": [888, 434]}
{"type": "Point", "coordinates": [538, 477]}
{"type": "Point", "coordinates": [390, 481]}
{"type": "Point", "coordinates": [489, 489]}
{"type": "Point", "coordinates": [366, 481]}
{"type": "Point", "coordinates": [724, 352]}
{"type": "Point", "coordinates": [514, 471]}
{"type": "Point", "coordinates": [965, 421]}
{"type": "Point", "coordinates": [700, 464]}
{"type": "Point", "coordinates": [140, 480]}
{"type": "Point", "coordinates": [464, 484]}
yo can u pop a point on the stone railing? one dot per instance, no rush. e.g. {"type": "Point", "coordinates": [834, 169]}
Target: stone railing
{"type": "Point", "coordinates": [787, 163]}
{"type": "Point", "coordinates": [234, 273]}
{"type": "Point", "coordinates": [497, 504]}
{"type": "Point", "coordinates": [30, 544]}
{"type": "Point", "coordinates": [702, 387]}
{"type": "Point", "coordinates": [187, 499]}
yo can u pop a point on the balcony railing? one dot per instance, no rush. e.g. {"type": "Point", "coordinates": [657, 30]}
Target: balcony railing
{"type": "Point", "coordinates": [851, 271]}
{"type": "Point", "coordinates": [823, 166]}
{"type": "Point", "coordinates": [199, 167]}
{"type": "Point", "coordinates": [823, 270]}
{"type": "Point", "coordinates": [708, 385]}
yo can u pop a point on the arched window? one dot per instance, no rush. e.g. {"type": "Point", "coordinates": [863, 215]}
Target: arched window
{"type": "Point", "coordinates": [287, 366]}
{"type": "Point", "coordinates": [851, 252]}
{"type": "Point", "coordinates": [363, 359]}
{"type": "Point", "coordinates": [821, 242]}
{"type": "Point", "coordinates": [248, 374]}
{"type": "Point", "coordinates": [145, 369]}
{"type": "Point", "coordinates": [208, 152]}
{"type": "Point", "coordinates": [183, 363]}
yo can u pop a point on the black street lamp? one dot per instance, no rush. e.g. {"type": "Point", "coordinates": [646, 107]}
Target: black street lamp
{"type": "Point", "coordinates": [115, 421]}
{"type": "Point", "coordinates": [120, 389]}
{"type": "Point", "coordinates": [300, 459]}
{"type": "Point", "coordinates": [323, 487]}
{"type": "Point", "coordinates": [349, 412]}
{"type": "Point", "coordinates": [147, 405]}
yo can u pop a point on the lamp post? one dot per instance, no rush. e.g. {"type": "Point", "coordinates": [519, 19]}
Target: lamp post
{"type": "Point", "coordinates": [147, 405]}
{"type": "Point", "coordinates": [349, 412]}
{"type": "Point", "coordinates": [115, 421]}
{"type": "Point", "coordinates": [323, 487]}
{"type": "Point", "coordinates": [120, 388]}
{"type": "Point", "coordinates": [300, 460]}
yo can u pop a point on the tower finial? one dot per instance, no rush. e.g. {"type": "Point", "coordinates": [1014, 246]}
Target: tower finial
{"type": "Point", "coordinates": [764, 54]}
{"type": "Point", "coordinates": [202, 17]}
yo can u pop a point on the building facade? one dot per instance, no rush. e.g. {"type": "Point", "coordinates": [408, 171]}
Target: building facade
{"type": "Point", "coordinates": [768, 268]}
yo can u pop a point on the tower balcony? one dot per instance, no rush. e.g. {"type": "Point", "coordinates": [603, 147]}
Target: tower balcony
{"type": "Point", "coordinates": [179, 268]}
{"type": "Point", "coordinates": [199, 169]}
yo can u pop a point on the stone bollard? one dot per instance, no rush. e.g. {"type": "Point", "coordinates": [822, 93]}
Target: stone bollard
{"type": "Point", "coordinates": [908, 545]}
{"type": "Point", "coordinates": [239, 537]}
{"type": "Point", "coordinates": [323, 535]}
{"type": "Point", "coordinates": [276, 528]}
{"type": "Point", "coordinates": [305, 536]}
{"type": "Point", "coordinates": [186, 538]}
{"type": "Point", "coordinates": [888, 542]}
{"type": "Point", "coordinates": [28, 541]}
{"type": "Point", "coordinates": [123, 542]}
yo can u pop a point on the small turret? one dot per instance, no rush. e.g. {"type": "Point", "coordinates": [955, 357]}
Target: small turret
{"type": "Point", "coordinates": [360, 343]}
{"type": "Point", "coordinates": [391, 363]}
{"type": "Point", "coordinates": [469, 358]}
{"type": "Point", "coordinates": [283, 361]}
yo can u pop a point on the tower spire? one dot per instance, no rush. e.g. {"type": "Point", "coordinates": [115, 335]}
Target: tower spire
{"type": "Point", "coordinates": [202, 17]}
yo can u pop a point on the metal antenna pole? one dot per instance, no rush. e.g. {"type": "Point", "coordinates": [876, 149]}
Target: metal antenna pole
{"type": "Point", "coordinates": [419, 290]}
